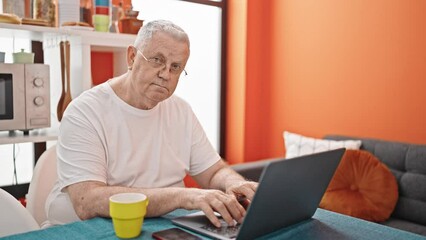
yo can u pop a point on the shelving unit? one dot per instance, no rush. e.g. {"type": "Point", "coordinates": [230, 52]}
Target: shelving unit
{"type": "Point", "coordinates": [82, 42]}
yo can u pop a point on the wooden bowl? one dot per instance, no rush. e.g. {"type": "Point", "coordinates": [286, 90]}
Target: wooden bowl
{"type": "Point", "coordinates": [130, 25]}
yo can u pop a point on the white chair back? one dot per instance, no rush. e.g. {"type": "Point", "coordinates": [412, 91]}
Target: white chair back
{"type": "Point", "coordinates": [44, 177]}
{"type": "Point", "coordinates": [14, 218]}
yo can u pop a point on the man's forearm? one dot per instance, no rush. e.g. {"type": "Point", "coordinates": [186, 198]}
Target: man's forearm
{"type": "Point", "coordinates": [93, 200]}
{"type": "Point", "coordinates": [224, 177]}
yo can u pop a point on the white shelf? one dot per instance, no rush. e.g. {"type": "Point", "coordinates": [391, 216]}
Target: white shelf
{"type": "Point", "coordinates": [92, 38]}
{"type": "Point", "coordinates": [34, 136]}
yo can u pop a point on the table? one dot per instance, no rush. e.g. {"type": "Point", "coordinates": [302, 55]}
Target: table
{"type": "Point", "coordinates": [323, 225]}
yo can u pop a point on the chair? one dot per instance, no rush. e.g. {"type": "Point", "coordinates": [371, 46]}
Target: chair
{"type": "Point", "coordinates": [14, 217]}
{"type": "Point", "coordinates": [44, 177]}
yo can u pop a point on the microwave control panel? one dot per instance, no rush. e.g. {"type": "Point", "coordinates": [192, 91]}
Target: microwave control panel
{"type": "Point", "coordinates": [37, 91]}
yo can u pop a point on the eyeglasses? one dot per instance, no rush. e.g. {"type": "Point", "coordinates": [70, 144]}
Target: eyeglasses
{"type": "Point", "coordinates": [158, 62]}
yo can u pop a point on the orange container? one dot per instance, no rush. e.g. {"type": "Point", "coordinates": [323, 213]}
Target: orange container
{"type": "Point", "coordinates": [130, 25]}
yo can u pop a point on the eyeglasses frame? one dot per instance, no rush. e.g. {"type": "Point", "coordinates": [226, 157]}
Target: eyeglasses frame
{"type": "Point", "coordinates": [148, 60]}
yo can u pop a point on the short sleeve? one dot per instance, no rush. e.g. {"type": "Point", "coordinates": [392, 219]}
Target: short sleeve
{"type": "Point", "coordinates": [203, 155]}
{"type": "Point", "coordinates": [81, 155]}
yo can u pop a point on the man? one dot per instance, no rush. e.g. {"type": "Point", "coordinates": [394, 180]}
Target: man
{"type": "Point", "coordinates": [131, 134]}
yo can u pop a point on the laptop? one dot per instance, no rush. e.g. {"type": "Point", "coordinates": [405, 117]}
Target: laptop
{"type": "Point", "coordinates": [289, 192]}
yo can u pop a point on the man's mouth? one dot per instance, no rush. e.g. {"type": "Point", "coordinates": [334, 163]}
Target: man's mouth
{"type": "Point", "coordinates": [158, 85]}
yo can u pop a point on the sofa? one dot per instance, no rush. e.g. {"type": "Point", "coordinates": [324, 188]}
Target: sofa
{"type": "Point", "coordinates": [406, 161]}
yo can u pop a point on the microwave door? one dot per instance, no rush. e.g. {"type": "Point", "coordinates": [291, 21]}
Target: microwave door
{"type": "Point", "coordinates": [12, 97]}
{"type": "Point", "coordinates": [6, 97]}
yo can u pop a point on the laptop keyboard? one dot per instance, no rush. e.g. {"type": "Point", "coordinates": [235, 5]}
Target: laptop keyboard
{"type": "Point", "coordinates": [224, 230]}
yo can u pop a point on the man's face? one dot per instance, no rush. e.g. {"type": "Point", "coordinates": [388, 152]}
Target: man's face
{"type": "Point", "coordinates": [156, 77]}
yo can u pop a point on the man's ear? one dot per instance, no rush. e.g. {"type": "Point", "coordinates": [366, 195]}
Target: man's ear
{"type": "Point", "coordinates": [131, 54]}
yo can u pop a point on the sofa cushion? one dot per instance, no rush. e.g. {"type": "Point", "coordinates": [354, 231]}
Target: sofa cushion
{"type": "Point", "coordinates": [362, 187]}
{"type": "Point", "coordinates": [297, 145]}
{"type": "Point", "coordinates": [405, 225]}
{"type": "Point", "coordinates": [408, 164]}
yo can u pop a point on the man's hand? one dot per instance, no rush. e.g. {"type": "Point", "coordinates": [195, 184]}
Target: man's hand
{"type": "Point", "coordinates": [243, 191]}
{"type": "Point", "coordinates": [230, 187]}
{"type": "Point", "coordinates": [210, 201]}
{"type": "Point", "coordinates": [242, 188]}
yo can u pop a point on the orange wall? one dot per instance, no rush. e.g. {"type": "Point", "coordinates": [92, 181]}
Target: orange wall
{"type": "Point", "coordinates": [247, 86]}
{"type": "Point", "coordinates": [236, 39]}
{"type": "Point", "coordinates": [343, 67]}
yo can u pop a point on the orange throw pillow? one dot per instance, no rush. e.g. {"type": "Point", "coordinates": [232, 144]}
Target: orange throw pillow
{"type": "Point", "coordinates": [362, 187]}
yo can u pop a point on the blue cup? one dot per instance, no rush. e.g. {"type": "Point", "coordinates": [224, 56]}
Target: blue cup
{"type": "Point", "coordinates": [104, 3]}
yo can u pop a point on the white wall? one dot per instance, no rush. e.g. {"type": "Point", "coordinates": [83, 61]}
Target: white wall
{"type": "Point", "coordinates": [201, 88]}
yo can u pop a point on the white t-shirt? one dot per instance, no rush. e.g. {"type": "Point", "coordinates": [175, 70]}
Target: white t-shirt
{"type": "Point", "coordinates": [103, 138]}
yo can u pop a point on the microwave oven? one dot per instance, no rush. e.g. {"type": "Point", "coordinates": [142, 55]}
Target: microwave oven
{"type": "Point", "coordinates": [24, 97]}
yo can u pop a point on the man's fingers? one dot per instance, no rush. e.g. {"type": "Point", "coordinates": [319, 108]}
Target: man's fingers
{"type": "Point", "coordinates": [222, 209]}
{"type": "Point", "coordinates": [248, 190]}
{"type": "Point", "coordinates": [226, 205]}
{"type": "Point", "coordinates": [235, 209]}
{"type": "Point", "coordinates": [244, 202]}
{"type": "Point", "coordinates": [210, 215]}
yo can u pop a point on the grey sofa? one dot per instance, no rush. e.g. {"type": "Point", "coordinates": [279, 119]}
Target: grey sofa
{"type": "Point", "coordinates": [406, 161]}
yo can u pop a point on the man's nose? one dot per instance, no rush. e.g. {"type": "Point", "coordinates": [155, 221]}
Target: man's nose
{"type": "Point", "coordinates": [165, 72]}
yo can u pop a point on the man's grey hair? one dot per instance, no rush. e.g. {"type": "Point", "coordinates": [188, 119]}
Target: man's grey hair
{"type": "Point", "coordinates": [147, 31]}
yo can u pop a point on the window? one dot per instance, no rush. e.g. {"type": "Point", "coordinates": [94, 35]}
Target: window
{"type": "Point", "coordinates": [202, 87]}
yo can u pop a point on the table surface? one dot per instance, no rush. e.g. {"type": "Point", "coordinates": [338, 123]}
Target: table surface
{"type": "Point", "coordinates": [323, 225]}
